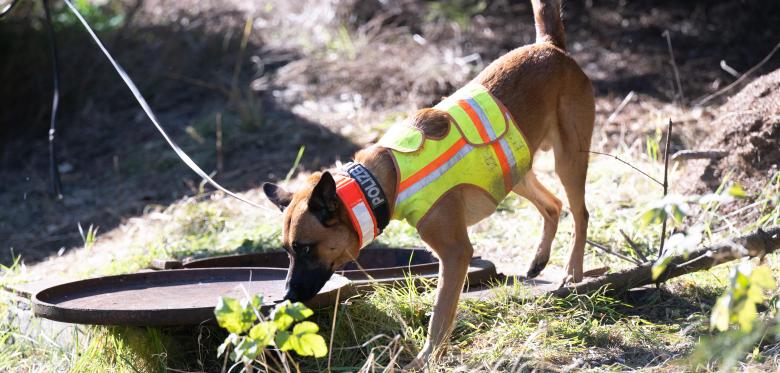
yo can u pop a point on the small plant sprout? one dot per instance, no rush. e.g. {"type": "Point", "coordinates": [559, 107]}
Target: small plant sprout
{"type": "Point", "coordinates": [295, 165]}
{"type": "Point", "coordinates": [90, 237]}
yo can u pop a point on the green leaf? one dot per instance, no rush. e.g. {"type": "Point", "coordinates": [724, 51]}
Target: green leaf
{"type": "Point", "coordinates": [736, 191]}
{"type": "Point", "coordinates": [719, 319]}
{"type": "Point", "coordinates": [304, 340]}
{"type": "Point", "coordinates": [286, 313]}
{"type": "Point", "coordinates": [230, 340]}
{"type": "Point", "coordinates": [312, 345]}
{"type": "Point", "coordinates": [755, 295]}
{"type": "Point", "coordinates": [232, 316]}
{"type": "Point", "coordinates": [282, 340]}
{"type": "Point", "coordinates": [762, 277]}
{"type": "Point", "coordinates": [747, 315]}
{"type": "Point", "coordinates": [263, 333]}
{"type": "Point", "coordinates": [247, 350]}
{"type": "Point", "coordinates": [678, 213]}
{"type": "Point", "coordinates": [305, 327]}
{"type": "Point", "coordinates": [660, 266]}
{"type": "Point", "coordinates": [252, 304]}
{"type": "Point", "coordinates": [652, 216]}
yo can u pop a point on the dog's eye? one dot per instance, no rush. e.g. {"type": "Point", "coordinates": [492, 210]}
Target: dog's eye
{"type": "Point", "coordinates": [300, 248]}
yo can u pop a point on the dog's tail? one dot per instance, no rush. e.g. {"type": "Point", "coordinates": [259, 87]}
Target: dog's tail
{"type": "Point", "coordinates": [549, 28]}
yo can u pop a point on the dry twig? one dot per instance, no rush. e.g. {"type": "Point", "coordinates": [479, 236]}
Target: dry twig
{"type": "Point", "coordinates": [745, 75]}
{"type": "Point", "coordinates": [634, 247]}
{"type": "Point", "coordinates": [612, 252]}
{"type": "Point", "coordinates": [666, 185]}
{"type": "Point", "coordinates": [684, 155]}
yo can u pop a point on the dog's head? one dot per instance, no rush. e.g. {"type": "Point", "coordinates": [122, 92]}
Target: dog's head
{"type": "Point", "coordinates": [317, 234]}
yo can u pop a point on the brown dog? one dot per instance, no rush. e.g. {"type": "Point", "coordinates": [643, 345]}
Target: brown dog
{"type": "Point", "coordinates": [553, 99]}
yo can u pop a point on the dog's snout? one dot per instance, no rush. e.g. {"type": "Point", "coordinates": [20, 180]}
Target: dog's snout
{"type": "Point", "coordinates": [305, 280]}
{"type": "Point", "coordinates": [291, 295]}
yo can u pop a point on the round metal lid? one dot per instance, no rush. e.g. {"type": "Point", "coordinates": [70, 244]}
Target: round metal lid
{"type": "Point", "coordinates": [170, 297]}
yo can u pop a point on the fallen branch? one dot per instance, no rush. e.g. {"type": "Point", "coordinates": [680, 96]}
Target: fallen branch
{"type": "Point", "coordinates": [684, 155]}
{"type": "Point", "coordinates": [756, 244]}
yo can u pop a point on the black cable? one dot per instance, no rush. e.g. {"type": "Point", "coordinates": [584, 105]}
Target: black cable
{"type": "Point", "coordinates": [55, 103]}
{"type": "Point", "coordinates": [8, 9]}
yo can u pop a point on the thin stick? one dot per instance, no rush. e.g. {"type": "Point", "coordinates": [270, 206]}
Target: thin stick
{"type": "Point", "coordinates": [333, 328]}
{"type": "Point", "coordinates": [628, 164]}
{"type": "Point", "coordinates": [668, 36]}
{"type": "Point", "coordinates": [54, 170]}
{"type": "Point", "coordinates": [610, 251]}
{"type": "Point", "coordinates": [666, 185]}
{"type": "Point", "coordinates": [620, 107]}
{"type": "Point", "coordinates": [743, 77]}
{"type": "Point", "coordinates": [634, 247]}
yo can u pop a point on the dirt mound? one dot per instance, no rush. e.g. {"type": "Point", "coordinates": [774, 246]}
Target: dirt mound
{"type": "Point", "coordinates": [748, 128]}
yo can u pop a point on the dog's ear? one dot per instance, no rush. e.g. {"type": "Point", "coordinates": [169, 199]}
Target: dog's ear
{"type": "Point", "coordinates": [324, 202]}
{"type": "Point", "coordinates": [276, 194]}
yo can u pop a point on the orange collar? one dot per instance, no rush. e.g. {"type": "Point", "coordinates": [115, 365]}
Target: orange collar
{"type": "Point", "coordinates": [365, 201]}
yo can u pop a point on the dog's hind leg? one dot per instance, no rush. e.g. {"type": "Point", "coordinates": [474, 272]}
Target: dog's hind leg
{"type": "Point", "coordinates": [576, 113]}
{"type": "Point", "coordinates": [550, 207]}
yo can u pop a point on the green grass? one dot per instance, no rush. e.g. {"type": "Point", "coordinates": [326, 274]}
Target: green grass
{"type": "Point", "coordinates": [510, 331]}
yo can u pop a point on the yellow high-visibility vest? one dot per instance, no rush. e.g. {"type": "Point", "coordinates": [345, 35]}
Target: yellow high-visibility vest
{"type": "Point", "coordinates": [483, 147]}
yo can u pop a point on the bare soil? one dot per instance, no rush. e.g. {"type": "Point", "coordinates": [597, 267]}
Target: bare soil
{"type": "Point", "coordinates": [748, 128]}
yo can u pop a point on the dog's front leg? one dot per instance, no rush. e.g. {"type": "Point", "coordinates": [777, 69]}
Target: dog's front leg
{"type": "Point", "coordinates": [454, 251]}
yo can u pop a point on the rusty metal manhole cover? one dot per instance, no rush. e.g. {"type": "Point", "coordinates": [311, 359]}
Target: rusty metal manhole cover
{"type": "Point", "coordinates": [171, 297]}
{"type": "Point", "coordinates": [383, 265]}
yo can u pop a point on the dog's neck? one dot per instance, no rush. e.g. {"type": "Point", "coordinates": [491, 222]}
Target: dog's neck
{"type": "Point", "coordinates": [379, 162]}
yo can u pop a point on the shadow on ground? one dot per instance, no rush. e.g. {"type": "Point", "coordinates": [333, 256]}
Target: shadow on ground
{"type": "Point", "coordinates": [114, 162]}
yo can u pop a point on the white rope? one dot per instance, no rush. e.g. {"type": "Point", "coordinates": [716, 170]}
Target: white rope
{"type": "Point", "coordinates": [149, 113]}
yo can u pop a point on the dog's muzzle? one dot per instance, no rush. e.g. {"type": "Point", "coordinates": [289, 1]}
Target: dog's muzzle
{"type": "Point", "coordinates": [305, 278]}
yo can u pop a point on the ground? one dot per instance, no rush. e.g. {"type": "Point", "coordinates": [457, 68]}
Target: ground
{"type": "Point", "coordinates": [331, 76]}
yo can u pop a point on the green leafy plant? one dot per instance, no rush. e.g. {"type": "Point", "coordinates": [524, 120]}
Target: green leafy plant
{"type": "Point", "coordinates": [677, 207]}
{"type": "Point", "coordinates": [738, 304]}
{"type": "Point", "coordinates": [251, 333]}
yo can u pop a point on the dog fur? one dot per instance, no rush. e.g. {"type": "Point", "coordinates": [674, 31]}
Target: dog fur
{"type": "Point", "coordinates": [552, 99]}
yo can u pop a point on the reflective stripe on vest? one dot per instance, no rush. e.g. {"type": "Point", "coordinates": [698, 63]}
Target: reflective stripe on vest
{"type": "Point", "coordinates": [358, 210]}
{"type": "Point", "coordinates": [483, 148]}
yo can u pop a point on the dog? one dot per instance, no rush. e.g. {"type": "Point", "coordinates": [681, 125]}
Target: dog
{"type": "Point", "coordinates": [326, 223]}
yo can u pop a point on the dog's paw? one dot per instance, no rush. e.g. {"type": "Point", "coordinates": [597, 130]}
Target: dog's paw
{"type": "Point", "coordinates": [566, 280]}
{"type": "Point", "coordinates": [569, 279]}
{"type": "Point", "coordinates": [536, 267]}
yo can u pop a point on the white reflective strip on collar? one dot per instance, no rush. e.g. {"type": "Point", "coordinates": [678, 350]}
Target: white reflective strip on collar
{"type": "Point", "coordinates": [363, 217]}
